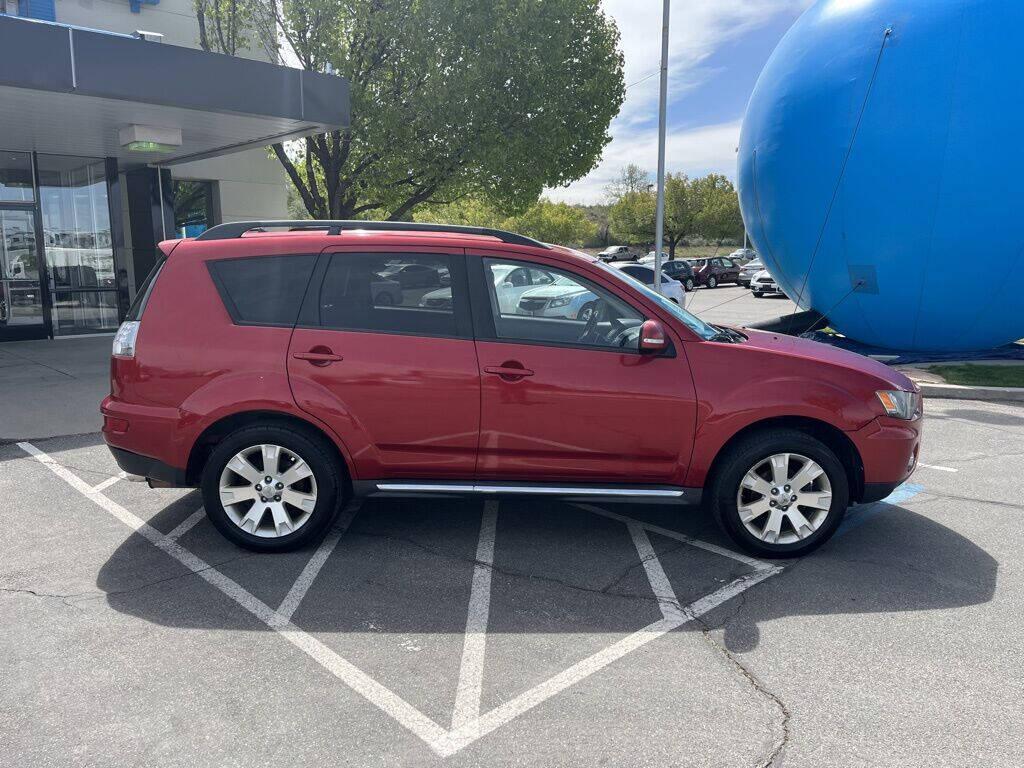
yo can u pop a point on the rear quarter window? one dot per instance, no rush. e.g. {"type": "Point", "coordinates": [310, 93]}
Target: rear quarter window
{"type": "Point", "coordinates": [263, 290]}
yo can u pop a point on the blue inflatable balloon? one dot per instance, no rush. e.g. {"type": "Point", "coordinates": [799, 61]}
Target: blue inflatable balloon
{"type": "Point", "coordinates": [881, 170]}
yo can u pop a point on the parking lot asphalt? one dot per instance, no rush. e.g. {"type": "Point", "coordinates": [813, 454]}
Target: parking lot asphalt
{"type": "Point", "coordinates": [514, 633]}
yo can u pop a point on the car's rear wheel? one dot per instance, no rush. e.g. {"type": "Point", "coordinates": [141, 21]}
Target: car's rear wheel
{"type": "Point", "coordinates": [779, 493]}
{"type": "Point", "coordinates": [712, 282]}
{"type": "Point", "coordinates": [271, 488]}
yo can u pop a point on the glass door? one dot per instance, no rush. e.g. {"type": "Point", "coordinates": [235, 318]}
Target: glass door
{"type": "Point", "coordinates": [21, 290]}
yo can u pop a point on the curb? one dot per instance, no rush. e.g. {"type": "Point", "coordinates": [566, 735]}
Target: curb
{"type": "Point", "coordinates": [957, 392]}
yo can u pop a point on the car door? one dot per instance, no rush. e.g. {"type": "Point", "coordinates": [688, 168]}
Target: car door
{"type": "Point", "coordinates": [398, 382]}
{"type": "Point", "coordinates": [565, 399]}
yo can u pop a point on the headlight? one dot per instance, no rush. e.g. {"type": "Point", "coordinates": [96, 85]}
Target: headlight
{"type": "Point", "coordinates": [559, 302]}
{"type": "Point", "coordinates": [900, 405]}
{"type": "Point", "coordinates": [124, 341]}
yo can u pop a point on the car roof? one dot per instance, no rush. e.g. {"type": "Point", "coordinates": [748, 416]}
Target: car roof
{"type": "Point", "coordinates": [313, 241]}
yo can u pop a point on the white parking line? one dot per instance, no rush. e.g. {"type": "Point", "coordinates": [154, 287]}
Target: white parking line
{"type": "Point", "coordinates": [108, 482]}
{"type": "Point", "coordinates": [468, 725]}
{"type": "Point", "coordinates": [933, 466]}
{"type": "Point", "coordinates": [379, 695]}
{"type": "Point", "coordinates": [706, 546]}
{"type": "Point", "coordinates": [186, 525]}
{"type": "Point", "coordinates": [471, 671]}
{"type": "Point", "coordinates": [666, 596]}
{"type": "Point", "coordinates": [302, 584]}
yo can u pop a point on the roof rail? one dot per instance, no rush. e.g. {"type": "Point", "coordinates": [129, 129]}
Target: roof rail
{"type": "Point", "coordinates": [232, 230]}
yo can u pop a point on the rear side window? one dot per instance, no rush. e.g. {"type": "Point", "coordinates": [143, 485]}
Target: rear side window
{"type": "Point", "coordinates": [411, 294]}
{"type": "Point", "coordinates": [263, 290]}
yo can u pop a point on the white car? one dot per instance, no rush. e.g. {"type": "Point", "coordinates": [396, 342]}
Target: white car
{"type": "Point", "coordinates": [743, 254]}
{"type": "Point", "coordinates": [763, 283]}
{"type": "Point", "coordinates": [643, 273]}
{"type": "Point", "coordinates": [510, 283]}
{"type": "Point", "coordinates": [562, 297]}
{"type": "Point", "coordinates": [748, 270]}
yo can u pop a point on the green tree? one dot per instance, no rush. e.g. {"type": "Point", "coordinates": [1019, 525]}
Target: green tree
{"type": "Point", "coordinates": [552, 222]}
{"type": "Point", "coordinates": [632, 217]}
{"type": "Point", "coordinates": [679, 211]}
{"type": "Point", "coordinates": [716, 209]}
{"type": "Point", "coordinates": [632, 178]}
{"type": "Point", "coordinates": [545, 220]}
{"type": "Point", "coordinates": [450, 98]}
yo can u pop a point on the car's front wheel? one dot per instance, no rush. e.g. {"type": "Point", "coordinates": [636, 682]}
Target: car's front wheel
{"type": "Point", "coordinates": [758, 294]}
{"type": "Point", "coordinates": [779, 493]}
{"type": "Point", "coordinates": [271, 488]}
{"type": "Point", "coordinates": [690, 285]}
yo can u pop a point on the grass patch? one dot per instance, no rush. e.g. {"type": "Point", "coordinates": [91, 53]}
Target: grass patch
{"type": "Point", "coordinates": [981, 375]}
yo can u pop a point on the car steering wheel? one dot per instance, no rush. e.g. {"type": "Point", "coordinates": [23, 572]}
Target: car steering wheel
{"type": "Point", "coordinates": [600, 308]}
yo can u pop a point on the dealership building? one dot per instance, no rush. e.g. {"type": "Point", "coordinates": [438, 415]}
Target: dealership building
{"type": "Point", "coordinates": [116, 132]}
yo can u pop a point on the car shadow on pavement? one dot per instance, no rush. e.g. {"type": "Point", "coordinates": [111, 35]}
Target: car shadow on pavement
{"type": "Point", "coordinates": [406, 566]}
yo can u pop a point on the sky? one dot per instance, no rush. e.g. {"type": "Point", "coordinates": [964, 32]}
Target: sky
{"type": "Point", "coordinates": [716, 51]}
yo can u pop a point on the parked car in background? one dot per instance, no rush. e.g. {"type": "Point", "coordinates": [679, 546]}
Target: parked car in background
{"type": "Point", "coordinates": [714, 271]}
{"type": "Point", "coordinates": [670, 287]}
{"type": "Point", "coordinates": [415, 275]}
{"type": "Point", "coordinates": [328, 398]}
{"type": "Point", "coordinates": [677, 269]}
{"type": "Point", "coordinates": [509, 285]}
{"type": "Point", "coordinates": [386, 292]}
{"type": "Point", "coordinates": [748, 270]}
{"type": "Point", "coordinates": [764, 284]}
{"type": "Point", "coordinates": [743, 254]}
{"type": "Point", "coordinates": [619, 253]}
{"type": "Point", "coordinates": [562, 297]}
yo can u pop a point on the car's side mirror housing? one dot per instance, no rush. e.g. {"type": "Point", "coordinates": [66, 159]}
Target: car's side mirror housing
{"type": "Point", "coordinates": [652, 337]}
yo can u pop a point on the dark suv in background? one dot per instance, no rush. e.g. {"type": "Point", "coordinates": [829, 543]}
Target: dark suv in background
{"type": "Point", "coordinates": [714, 271]}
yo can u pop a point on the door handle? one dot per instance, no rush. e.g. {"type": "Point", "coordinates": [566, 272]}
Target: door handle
{"type": "Point", "coordinates": [321, 358]}
{"type": "Point", "coordinates": [508, 371]}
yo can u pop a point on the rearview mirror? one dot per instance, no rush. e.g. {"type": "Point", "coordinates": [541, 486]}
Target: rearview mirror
{"type": "Point", "coordinates": [652, 337]}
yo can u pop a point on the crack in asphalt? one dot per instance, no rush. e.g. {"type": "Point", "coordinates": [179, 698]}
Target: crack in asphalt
{"type": "Point", "coordinates": [773, 757]}
{"type": "Point", "coordinates": [512, 573]}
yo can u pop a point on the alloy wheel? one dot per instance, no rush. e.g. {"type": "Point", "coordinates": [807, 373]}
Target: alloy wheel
{"type": "Point", "coordinates": [268, 490]}
{"type": "Point", "coordinates": [784, 498]}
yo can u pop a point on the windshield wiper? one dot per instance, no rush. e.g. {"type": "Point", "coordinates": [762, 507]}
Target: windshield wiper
{"type": "Point", "coordinates": [727, 335]}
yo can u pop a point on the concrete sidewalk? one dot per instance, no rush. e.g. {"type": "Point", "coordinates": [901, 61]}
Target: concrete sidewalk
{"type": "Point", "coordinates": [51, 388]}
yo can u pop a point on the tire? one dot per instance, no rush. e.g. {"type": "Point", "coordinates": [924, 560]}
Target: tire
{"type": "Point", "coordinates": [726, 489]}
{"type": "Point", "coordinates": [689, 285]}
{"type": "Point", "coordinates": [758, 294]}
{"type": "Point", "coordinates": [325, 485]}
{"type": "Point", "coordinates": [383, 299]}
{"type": "Point", "coordinates": [712, 282]}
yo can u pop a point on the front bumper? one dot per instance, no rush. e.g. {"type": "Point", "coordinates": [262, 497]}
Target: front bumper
{"type": "Point", "coordinates": [889, 450]}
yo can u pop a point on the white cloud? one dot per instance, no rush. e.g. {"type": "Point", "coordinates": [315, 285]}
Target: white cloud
{"type": "Point", "coordinates": [696, 29]}
{"type": "Point", "coordinates": [710, 149]}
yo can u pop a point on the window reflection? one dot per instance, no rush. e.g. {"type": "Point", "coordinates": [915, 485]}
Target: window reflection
{"type": "Point", "coordinates": [78, 243]}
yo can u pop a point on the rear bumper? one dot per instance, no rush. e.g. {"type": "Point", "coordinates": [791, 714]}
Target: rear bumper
{"type": "Point", "coordinates": [152, 469]}
{"type": "Point", "coordinates": [145, 440]}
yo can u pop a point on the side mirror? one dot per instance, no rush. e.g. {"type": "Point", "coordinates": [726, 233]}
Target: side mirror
{"type": "Point", "coordinates": [652, 337]}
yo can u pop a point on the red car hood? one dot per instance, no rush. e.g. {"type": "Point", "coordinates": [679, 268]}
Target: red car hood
{"type": "Point", "coordinates": [825, 353]}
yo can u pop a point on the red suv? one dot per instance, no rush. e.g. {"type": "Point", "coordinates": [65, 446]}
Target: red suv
{"type": "Point", "coordinates": [715, 271]}
{"type": "Point", "coordinates": [260, 363]}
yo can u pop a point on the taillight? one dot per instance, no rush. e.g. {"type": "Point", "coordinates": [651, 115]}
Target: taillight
{"type": "Point", "coordinates": [124, 340]}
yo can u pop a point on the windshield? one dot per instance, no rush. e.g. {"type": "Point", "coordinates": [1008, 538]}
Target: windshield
{"type": "Point", "coordinates": [694, 323]}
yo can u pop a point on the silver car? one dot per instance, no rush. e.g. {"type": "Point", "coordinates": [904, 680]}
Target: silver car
{"type": "Point", "coordinates": [748, 270]}
{"type": "Point", "coordinates": [563, 298]}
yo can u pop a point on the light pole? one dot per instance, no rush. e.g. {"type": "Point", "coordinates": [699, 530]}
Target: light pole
{"type": "Point", "coordinates": [659, 219]}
